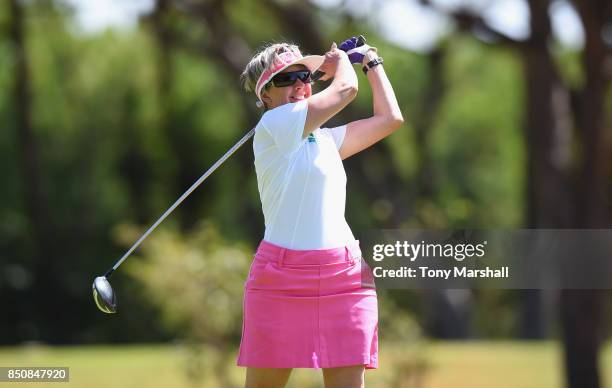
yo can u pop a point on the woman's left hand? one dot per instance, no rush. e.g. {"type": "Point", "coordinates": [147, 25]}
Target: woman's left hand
{"type": "Point", "coordinates": [356, 49]}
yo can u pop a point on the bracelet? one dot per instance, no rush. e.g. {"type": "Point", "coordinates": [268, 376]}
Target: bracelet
{"type": "Point", "coordinates": [372, 63]}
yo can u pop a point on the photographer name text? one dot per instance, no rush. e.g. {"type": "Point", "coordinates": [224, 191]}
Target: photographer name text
{"type": "Point", "coordinates": [446, 274]}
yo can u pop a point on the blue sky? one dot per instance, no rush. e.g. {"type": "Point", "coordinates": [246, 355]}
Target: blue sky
{"type": "Point", "coordinates": [403, 22]}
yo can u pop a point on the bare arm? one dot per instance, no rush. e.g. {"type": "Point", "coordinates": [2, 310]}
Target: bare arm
{"type": "Point", "coordinates": [387, 116]}
{"type": "Point", "coordinates": [343, 89]}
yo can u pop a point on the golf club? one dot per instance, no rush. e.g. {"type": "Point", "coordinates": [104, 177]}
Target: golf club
{"type": "Point", "coordinates": [103, 293]}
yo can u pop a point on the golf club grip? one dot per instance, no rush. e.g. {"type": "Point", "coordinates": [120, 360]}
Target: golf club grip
{"type": "Point", "coordinates": [182, 197]}
{"type": "Point", "coordinates": [318, 74]}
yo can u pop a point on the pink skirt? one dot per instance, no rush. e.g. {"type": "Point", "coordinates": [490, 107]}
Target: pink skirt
{"type": "Point", "coordinates": [309, 309]}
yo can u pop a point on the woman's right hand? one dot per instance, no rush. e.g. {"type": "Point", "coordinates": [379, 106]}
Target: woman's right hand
{"type": "Point", "coordinates": [330, 64]}
{"type": "Point", "coordinates": [337, 95]}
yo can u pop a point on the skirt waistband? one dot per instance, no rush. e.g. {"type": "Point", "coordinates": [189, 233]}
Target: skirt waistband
{"type": "Point", "coordinates": [270, 252]}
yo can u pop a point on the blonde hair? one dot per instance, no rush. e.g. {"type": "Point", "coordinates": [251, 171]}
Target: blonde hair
{"type": "Point", "coordinates": [261, 61]}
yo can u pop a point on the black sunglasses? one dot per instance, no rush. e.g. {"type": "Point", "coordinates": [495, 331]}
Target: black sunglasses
{"type": "Point", "coordinates": [288, 79]}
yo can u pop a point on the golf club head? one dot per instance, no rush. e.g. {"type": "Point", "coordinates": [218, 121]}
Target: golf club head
{"type": "Point", "coordinates": [103, 294]}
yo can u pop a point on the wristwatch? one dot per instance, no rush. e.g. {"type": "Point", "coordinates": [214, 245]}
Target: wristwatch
{"type": "Point", "coordinates": [372, 63]}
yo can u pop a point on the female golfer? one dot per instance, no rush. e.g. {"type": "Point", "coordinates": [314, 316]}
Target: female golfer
{"type": "Point", "coordinates": [304, 302]}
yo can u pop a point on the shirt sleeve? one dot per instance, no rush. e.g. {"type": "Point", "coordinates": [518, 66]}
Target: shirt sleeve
{"type": "Point", "coordinates": [285, 125]}
{"type": "Point", "coordinates": [337, 134]}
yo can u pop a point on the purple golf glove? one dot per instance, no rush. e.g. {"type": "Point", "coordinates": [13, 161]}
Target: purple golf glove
{"type": "Point", "coordinates": [356, 48]}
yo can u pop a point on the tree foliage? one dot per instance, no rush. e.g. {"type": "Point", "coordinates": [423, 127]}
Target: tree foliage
{"type": "Point", "coordinates": [122, 122]}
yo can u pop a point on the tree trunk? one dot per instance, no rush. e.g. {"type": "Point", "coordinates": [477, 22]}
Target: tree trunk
{"type": "Point", "coordinates": [582, 318]}
{"type": "Point", "coordinates": [582, 310]}
{"type": "Point", "coordinates": [41, 243]}
{"type": "Point", "coordinates": [548, 135]}
{"type": "Point", "coordinates": [34, 198]}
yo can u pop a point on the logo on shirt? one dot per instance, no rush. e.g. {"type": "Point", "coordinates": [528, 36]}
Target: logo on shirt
{"type": "Point", "coordinates": [311, 138]}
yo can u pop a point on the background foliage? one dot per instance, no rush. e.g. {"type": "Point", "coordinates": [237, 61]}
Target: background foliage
{"type": "Point", "coordinates": [113, 126]}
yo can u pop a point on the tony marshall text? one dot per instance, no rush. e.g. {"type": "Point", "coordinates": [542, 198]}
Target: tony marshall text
{"type": "Point", "coordinates": [428, 273]}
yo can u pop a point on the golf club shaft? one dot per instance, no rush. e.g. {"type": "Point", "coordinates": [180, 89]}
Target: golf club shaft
{"type": "Point", "coordinates": [182, 198]}
{"type": "Point", "coordinates": [315, 76]}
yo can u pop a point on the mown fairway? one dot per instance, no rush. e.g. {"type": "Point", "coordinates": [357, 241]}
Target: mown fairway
{"type": "Point", "coordinates": [433, 365]}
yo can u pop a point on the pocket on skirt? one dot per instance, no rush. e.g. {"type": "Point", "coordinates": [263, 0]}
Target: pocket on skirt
{"type": "Point", "coordinates": [367, 276]}
{"type": "Point", "coordinates": [258, 274]}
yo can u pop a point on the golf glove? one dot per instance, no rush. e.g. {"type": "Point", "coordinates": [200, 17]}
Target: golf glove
{"type": "Point", "coordinates": [356, 49]}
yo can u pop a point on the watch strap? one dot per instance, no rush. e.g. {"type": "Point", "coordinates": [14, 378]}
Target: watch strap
{"type": "Point", "coordinates": [372, 63]}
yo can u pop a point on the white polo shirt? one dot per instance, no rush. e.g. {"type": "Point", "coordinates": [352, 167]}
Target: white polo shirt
{"type": "Point", "coordinates": [302, 183]}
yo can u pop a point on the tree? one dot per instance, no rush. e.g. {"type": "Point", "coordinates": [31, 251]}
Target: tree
{"type": "Point", "coordinates": [565, 189]}
{"type": "Point", "coordinates": [35, 202]}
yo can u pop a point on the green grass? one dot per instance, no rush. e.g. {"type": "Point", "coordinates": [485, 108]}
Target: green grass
{"type": "Point", "coordinates": [430, 365]}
